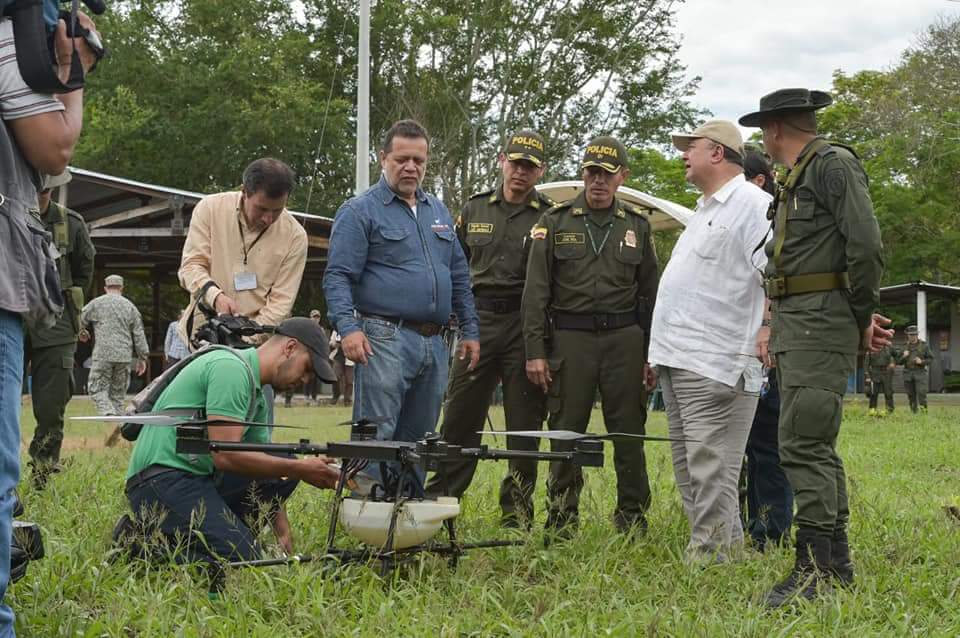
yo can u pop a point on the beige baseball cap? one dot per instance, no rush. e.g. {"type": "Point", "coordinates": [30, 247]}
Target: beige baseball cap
{"type": "Point", "coordinates": [720, 131]}
{"type": "Point", "coordinates": [113, 280]}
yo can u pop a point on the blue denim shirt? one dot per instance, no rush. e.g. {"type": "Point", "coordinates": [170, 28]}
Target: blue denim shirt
{"type": "Point", "coordinates": [384, 261]}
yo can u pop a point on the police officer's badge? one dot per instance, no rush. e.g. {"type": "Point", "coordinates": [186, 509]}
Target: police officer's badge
{"type": "Point", "coordinates": [630, 239]}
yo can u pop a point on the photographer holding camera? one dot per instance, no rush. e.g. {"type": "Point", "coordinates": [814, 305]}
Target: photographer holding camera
{"type": "Point", "coordinates": [38, 135]}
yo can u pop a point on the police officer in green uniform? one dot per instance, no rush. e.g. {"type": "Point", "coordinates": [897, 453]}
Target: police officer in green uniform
{"type": "Point", "coordinates": [494, 228]}
{"type": "Point", "coordinates": [587, 305]}
{"type": "Point", "coordinates": [822, 278]}
{"type": "Point", "coordinates": [916, 357]}
{"type": "Point", "coordinates": [50, 351]}
{"type": "Point", "coordinates": [879, 377]}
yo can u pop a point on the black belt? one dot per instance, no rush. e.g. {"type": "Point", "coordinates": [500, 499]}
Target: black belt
{"type": "Point", "coordinates": [423, 328]}
{"type": "Point", "coordinates": [498, 305]}
{"type": "Point", "coordinates": [147, 473]}
{"type": "Point", "coordinates": [595, 322]}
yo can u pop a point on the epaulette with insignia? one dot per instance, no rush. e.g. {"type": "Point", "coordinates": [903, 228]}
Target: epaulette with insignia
{"type": "Point", "coordinates": [556, 208]}
{"type": "Point", "coordinates": [546, 199]}
{"type": "Point", "coordinates": [486, 193]}
{"type": "Point", "coordinates": [630, 208]}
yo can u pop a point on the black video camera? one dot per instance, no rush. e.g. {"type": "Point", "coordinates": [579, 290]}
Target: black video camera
{"type": "Point", "coordinates": [229, 330]}
{"type": "Point", "coordinates": [34, 24]}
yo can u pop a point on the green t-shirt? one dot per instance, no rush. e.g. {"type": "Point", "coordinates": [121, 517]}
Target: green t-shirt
{"type": "Point", "coordinates": [217, 382]}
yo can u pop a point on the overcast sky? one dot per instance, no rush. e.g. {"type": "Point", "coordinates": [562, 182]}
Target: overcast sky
{"type": "Point", "coordinates": [743, 49]}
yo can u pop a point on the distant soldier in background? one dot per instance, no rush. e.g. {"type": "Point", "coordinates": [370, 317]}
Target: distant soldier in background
{"type": "Point", "coordinates": [916, 358]}
{"type": "Point", "coordinates": [118, 334]}
{"type": "Point", "coordinates": [879, 368]}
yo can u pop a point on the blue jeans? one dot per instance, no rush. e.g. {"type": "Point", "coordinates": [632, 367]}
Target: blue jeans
{"type": "Point", "coordinates": [769, 495]}
{"type": "Point", "coordinates": [11, 377]}
{"type": "Point", "coordinates": [174, 501]}
{"type": "Point", "coordinates": [403, 382]}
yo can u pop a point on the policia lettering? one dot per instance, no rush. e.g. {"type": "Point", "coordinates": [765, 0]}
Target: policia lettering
{"type": "Point", "coordinates": [496, 240]}
{"type": "Point", "coordinates": [587, 305]}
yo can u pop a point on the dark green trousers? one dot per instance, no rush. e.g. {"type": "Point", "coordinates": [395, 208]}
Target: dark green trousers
{"type": "Point", "coordinates": [468, 398]}
{"type": "Point", "coordinates": [812, 384]}
{"type": "Point", "coordinates": [882, 382]}
{"type": "Point", "coordinates": [917, 382]}
{"type": "Point", "coordinates": [582, 362]}
{"type": "Point", "coordinates": [51, 379]}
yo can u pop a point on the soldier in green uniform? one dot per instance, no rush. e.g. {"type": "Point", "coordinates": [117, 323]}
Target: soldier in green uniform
{"type": "Point", "coordinates": [879, 377]}
{"type": "Point", "coordinates": [49, 351]}
{"type": "Point", "coordinates": [494, 228]}
{"type": "Point", "coordinates": [823, 277]}
{"type": "Point", "coordinates": [587, 304]}
{"type": "Point", "coordinates": [916, 357]}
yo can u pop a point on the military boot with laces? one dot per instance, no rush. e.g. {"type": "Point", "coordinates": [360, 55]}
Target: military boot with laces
{"type": "Point", "coordinates": [811, 571]}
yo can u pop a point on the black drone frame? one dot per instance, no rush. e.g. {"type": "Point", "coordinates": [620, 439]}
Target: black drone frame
{"type": "Point", "coordinates": [429, 454]}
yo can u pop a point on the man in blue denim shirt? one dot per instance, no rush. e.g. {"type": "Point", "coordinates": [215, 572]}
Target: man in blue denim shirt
{"type": "Point", "coordinates": [395, 276]}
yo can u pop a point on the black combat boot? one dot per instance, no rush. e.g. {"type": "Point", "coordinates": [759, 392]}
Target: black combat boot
{"type": "Point", "coordinates": [841, 567]}
{"type": "Point", "coordinates": [561, 526]}
{"type": "Point", "coordinates": [811, 569]}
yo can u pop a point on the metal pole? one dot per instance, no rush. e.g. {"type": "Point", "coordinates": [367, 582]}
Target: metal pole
{"type": "Point", "coordinates": [922, 314]}
{"type": "Point", "coordinates": [363, 100]}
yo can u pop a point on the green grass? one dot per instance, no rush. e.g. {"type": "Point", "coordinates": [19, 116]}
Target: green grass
{"type": "Point", "coordinates": [902, 470]}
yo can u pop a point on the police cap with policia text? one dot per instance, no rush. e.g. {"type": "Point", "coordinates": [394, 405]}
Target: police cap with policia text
{"type": "Point", "coordinates": [606, 152]}
{"type": "Point", "coordinates": [526, 145]}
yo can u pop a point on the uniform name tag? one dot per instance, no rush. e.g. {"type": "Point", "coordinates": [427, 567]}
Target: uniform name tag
{"type": "Point", "coordinates": [245, 281]}
{"type": "Point", "coordinates": [477, 227]}
{"type": "Point", "coordinates": [568, 238]}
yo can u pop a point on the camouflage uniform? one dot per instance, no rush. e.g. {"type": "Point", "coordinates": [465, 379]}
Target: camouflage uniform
{"type": "Point", "coordinates": [118, 331]}
{"type": "Point", "coordinates": [50, 351]}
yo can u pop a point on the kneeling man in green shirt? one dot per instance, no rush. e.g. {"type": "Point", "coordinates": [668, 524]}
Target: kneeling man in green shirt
{"type": "Point", "coordinates": [206, 503]}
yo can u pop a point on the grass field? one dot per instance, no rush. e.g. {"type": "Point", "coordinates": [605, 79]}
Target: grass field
{"type": "Point", "coordinates": [902, 471]}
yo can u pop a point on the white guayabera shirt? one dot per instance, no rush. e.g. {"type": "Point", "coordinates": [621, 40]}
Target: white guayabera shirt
{"type": "Point", "coordinates": [710, 301]}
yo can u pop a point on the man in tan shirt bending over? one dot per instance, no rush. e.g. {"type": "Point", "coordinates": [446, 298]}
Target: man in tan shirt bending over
{"type": "Point", "coordinates": [245, 253]}
{"type": "Point", "coordinates": [244, 250]}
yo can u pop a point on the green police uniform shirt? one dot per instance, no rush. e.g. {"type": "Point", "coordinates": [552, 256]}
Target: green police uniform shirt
{"type": "Point", "coordinates": [496, 239]}
{"type": "Point", "coordinates": [589, 263]}
{"type": "Point", "coordinates": [878, 362]}
{"type": "Point", "coordinates": [909, 354]}
{"type": "Point", "coordinates": [831, 228]}
{"type": "Point", "coordinates": [75, 267]}
{"type": "Point", "coordinates": [217, 382]}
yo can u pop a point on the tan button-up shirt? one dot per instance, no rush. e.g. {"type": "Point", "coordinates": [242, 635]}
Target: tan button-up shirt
{"type": "Point", "coordinates": [214, 252]}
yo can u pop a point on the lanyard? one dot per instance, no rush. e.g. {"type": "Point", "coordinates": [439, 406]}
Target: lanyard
{"type": "Point", "coordinates": [603, 242]}
{"type": "Point", "coordinates": [243, 243]}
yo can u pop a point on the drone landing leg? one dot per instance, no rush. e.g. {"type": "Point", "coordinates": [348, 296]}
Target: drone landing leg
{"type": "Point", "coordinates": [334, 514]}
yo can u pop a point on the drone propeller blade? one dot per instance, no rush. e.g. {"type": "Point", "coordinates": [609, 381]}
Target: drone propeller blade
{"type": "Point", "coordinates": [164, 420]}
{"type": "Point", "coordinates": [373, 420]}
{"type": "Point", "coordinates": [568, 435]}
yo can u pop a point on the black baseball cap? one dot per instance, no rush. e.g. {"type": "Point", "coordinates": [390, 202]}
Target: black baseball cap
{"type": "Point", "coordinates": [310, 334]}
{"type": "Point", "coordinates": [606, 152]}
{"type": "Point", "coordinates": [526, 145]}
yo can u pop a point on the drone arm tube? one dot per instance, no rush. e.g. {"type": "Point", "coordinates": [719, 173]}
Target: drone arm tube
{"type": "Point", "coordinates": [262, 465]}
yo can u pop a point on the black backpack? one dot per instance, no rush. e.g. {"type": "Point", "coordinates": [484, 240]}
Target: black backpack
{"type": "Point", "coordinates": [147, 398]}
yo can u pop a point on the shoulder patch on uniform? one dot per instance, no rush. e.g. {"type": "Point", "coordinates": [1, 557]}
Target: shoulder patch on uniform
{"type": "Point", "coordinates": [485, 193]}
{"type": "Point", "coordinates": [546, 199]}
{"type": "Point", "coordinates": [557, 208]}
{"type": "Point", "coordinates": [836, 181]}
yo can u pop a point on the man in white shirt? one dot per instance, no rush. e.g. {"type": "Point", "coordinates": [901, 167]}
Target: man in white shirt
{"type": "Point", "coordinates": [706, 323]}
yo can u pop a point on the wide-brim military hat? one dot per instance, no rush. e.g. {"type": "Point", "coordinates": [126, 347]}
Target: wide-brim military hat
{"type": "Point", "coordinates": [526, 145]}
{"type": "Point", "coordinates": [607, 152]}
{"type": "Point", "coordinates": [786, 101]}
